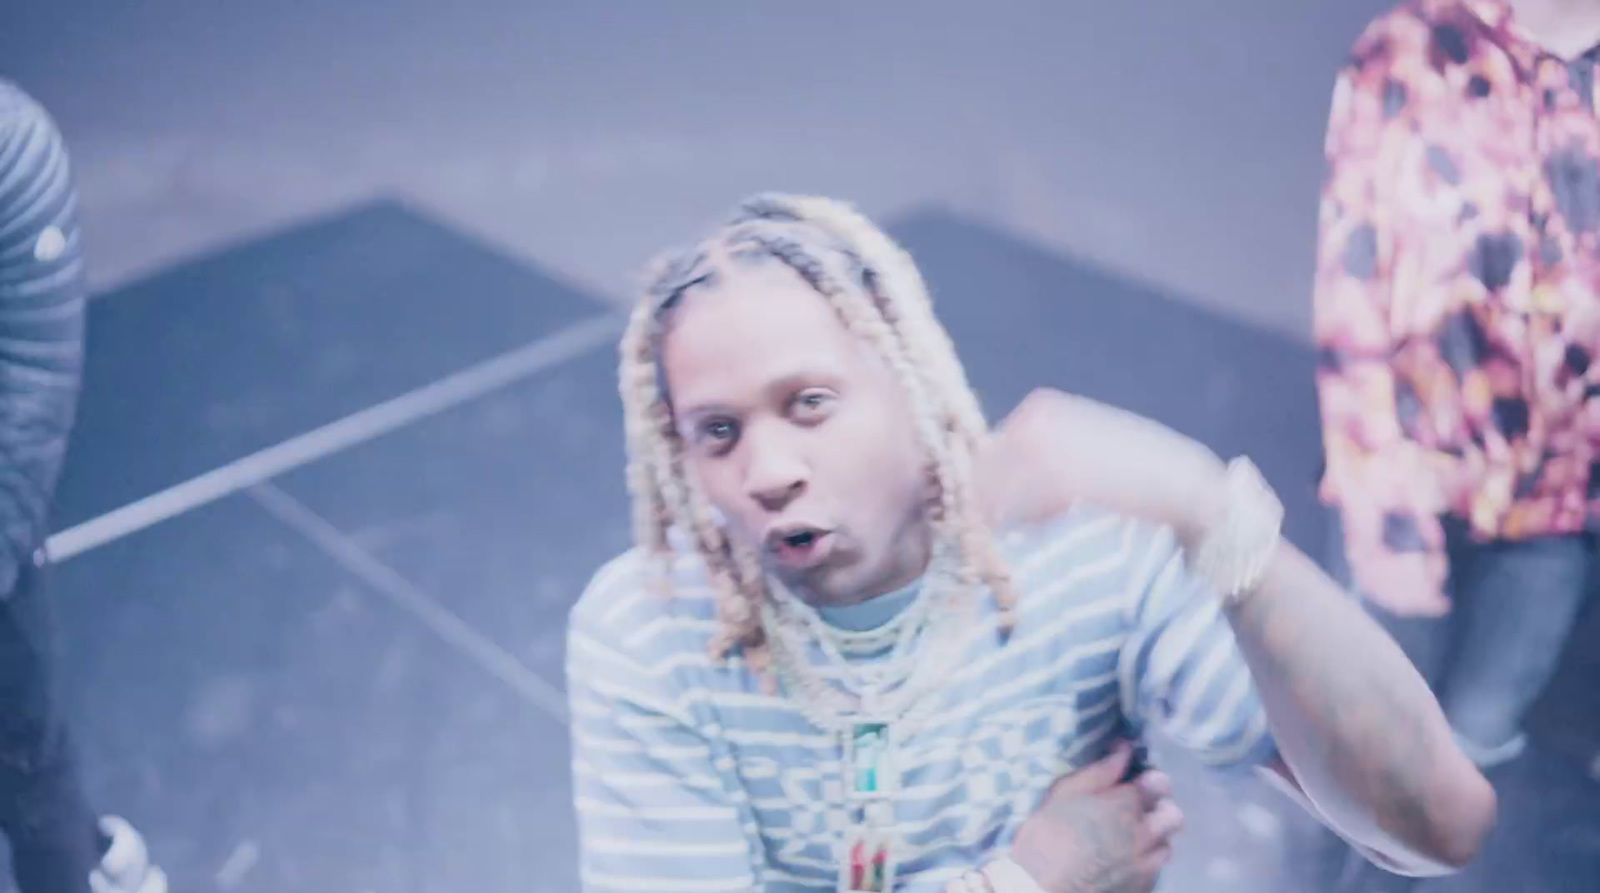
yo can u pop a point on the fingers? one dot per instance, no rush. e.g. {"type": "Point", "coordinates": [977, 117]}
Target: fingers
{"type": "Point", "coordinates": [1109, 770]}
{"type": "Point", "coordinates": [1155, 786]}
{"type": "Point", "coordinates": [1162, 818]}
{"type": "Point", "coordinates": [1150, 865]}
{"type": "Point", "coordinates": [1101, 775]}
{"type": "Point", "coordinates": [1162, 823]}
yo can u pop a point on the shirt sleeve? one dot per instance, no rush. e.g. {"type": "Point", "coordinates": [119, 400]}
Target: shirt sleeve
{"type": "Point", "coordinates": [1376, 423]}
{"type": "Point", "coordinates": [42, 305]}
{"type": "Point", "coordinates": [1181, 670]}
{"type": "Point", "coordinates": [655, 814]}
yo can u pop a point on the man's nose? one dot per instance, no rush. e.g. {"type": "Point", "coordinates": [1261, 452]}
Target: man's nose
{"type": "Point", "coordinates": [775, 478]}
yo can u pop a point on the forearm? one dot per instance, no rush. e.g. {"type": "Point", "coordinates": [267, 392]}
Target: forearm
{"type": "Point", "coordinates": [1353, 719]}
{"type": "Point", "coordinates": [1356, 723]}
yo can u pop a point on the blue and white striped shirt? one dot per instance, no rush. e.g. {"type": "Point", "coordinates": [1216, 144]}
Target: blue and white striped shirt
{"type": "Point", "coordinates": [689, 778]}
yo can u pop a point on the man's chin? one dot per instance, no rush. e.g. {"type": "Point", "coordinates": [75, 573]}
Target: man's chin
{"type": "Point", "coordinates": [822, 586]}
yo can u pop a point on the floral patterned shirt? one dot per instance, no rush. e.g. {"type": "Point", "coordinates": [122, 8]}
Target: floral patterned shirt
{"type": "Point", "coordinates": [1457, 303]}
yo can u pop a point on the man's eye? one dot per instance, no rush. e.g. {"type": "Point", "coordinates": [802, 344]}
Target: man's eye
{"type": "Point", "coordinates": [718, 430]}
{"type": "Point", "coordinates": [812, 402]}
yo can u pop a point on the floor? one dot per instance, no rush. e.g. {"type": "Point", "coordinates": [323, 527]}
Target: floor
{"type": "Point", "coordinates": [333, 491]}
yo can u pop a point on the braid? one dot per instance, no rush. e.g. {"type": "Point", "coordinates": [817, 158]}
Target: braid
{"type": "Point", "coordinates": [888, 274]}
{"type": "Point", "coordinates": [638, 388]}
{"type": "Point", "coordinates": [896, 285]}
{"type": "Point", "coordinates": [878, 294]}
{"type": "Point", "coordinates": [662, 493]}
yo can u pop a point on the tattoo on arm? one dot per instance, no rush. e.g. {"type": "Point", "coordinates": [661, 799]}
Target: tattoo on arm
{"type": "Point", "coordinates": [1380, 747]}
{"type": "Point", "coordinates": [1105, 843]}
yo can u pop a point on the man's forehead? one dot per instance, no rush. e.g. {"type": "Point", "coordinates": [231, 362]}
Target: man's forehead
{"type": "Point", "coordinates": [757, 315]}
{"type": "Point", "coordinates": [759, 378]}
{"type": "Point", "coordinates": [728, 364]}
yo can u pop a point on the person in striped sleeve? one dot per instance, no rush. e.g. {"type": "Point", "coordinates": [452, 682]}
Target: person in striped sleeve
{"type": "Point", "coordinates": [868, 643]}
{"type": "Point", "coordinates": [58, 844]}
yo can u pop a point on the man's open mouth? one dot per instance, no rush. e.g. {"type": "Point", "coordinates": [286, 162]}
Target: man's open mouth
{"type": "Point", "coordinates": [798, 546]}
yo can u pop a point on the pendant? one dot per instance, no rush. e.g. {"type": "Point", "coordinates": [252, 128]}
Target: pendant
{"type": "Point", "coordinates": [868, 864]}
{"type": "Point", "coordinates": [867, 759]}
{"type": "Point", "coordinates": [867, 861]}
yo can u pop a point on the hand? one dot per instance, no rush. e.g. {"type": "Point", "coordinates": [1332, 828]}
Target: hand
{"type": "Point", "coordinates": [1094, 833]}
{"type": "Point", "coordinates": [1057, 449]}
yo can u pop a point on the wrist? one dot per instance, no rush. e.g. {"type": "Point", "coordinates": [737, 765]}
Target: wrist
{"type": "Point", "coordinates": [1234, 549]}
{"type": "Point", "coordinates": [998, 876]}
{"type": "Point", "coordinates": [1204, 505]}
{"type": "Point", "coordinates": [1004, 875]}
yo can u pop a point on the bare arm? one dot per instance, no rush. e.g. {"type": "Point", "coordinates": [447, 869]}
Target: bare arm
{"type": "Point", "coordinates": [1352, 718]}
{"type": "Point", "coordinates": [1359, 733]}
{"type": "Point", "coordinates": [1357, 728]}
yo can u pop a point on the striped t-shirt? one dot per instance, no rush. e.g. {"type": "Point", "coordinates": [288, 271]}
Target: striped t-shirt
{"type": "Point", "coordinates": [687, 777]}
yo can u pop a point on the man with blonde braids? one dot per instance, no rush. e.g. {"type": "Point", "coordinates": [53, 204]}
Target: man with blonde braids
{"type": "Point", "coordinates": [867, 644]}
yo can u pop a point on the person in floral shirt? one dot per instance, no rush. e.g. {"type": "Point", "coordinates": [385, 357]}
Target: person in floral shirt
{"type": "Point", "coordinates": [1457, 319]}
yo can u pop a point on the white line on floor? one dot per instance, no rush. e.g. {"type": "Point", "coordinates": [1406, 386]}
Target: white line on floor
{"type": "Point", "coordinates": [384, 580]}
{"type": "Point", "coordinates": [353, 429]}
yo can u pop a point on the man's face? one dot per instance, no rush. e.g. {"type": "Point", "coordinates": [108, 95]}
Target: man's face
{"type": "Point", "coordinates": [800, 434]}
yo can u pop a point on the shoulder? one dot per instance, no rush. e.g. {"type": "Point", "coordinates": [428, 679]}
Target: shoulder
{"type": "Point", "coordinates": [1058, 449]}
{"type": "Point", "coordinates": [1422, 40]}
{"type": "Point", "coordinates": [1407, 29]}
{"type": "Point", "coordinates": [1012, 463]}
{"type": "Point", "coordinates": [36, 187]}
{"type": "Point", "coordinates": [1105, 553]}
{"type": "Point", "coordinates": [634, 645]}
{"type": "Point", "coordinates": [1385, 65]}
{"type": "Point", "coordinates": [625, 611]}
{"type": "Point", "coordinates": [23, 121]}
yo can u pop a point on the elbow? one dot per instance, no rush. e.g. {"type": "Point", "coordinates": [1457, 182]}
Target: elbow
{"type": "Point", "coordinates": [1038, 411]}
{"type": "Point", "coordinates": [1456, 821]}
{"type": "Point", "coordinates": [1470, 816]}
{"type": "Point", "coordinates": [1460, 822]}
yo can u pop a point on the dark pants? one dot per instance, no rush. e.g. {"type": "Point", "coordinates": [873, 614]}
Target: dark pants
{"type": "Point", "coordinates": [54, 839]}
{"type": "Point", "coordinates": [1514, 603]}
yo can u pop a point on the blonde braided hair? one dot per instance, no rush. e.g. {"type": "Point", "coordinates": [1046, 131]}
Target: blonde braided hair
{"type": "Point", "coordinates": [878, 294]}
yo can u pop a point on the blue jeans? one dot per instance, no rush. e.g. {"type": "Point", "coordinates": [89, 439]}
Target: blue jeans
{"type": "Point", "coordinates": [1490, 658]}
{"type": "Point", "coordinates": [55, 842]}
{"type": "Point", "coordinates": [1486, 661]}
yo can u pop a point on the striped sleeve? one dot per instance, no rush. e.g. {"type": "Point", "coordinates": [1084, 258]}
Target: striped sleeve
{"type": "Point", "coordinates": [41, 321]}
{"type": "Point", "coordinates": [655, 814]}
{"type": "Point", "coordinates": [1182, 671]}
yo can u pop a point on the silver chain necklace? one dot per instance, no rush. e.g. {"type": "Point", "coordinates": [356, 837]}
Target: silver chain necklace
{"type": "Point", "coordinates": [839, 693]}
{"type": "Point", "coordinates": [872, 705]}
